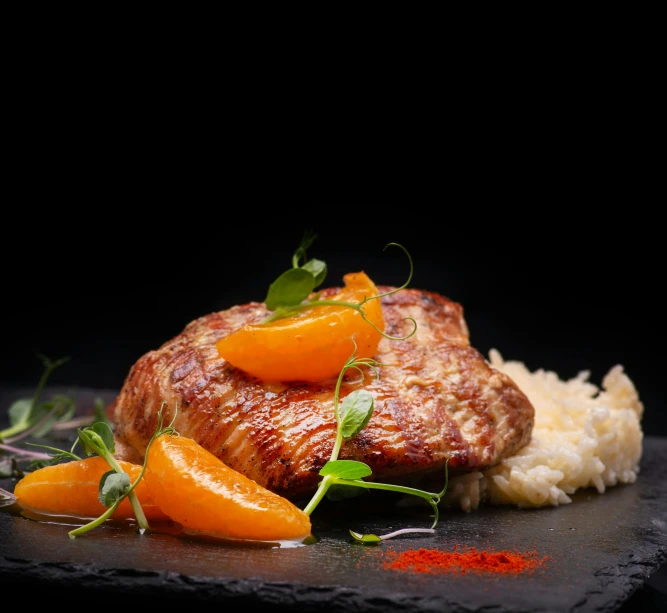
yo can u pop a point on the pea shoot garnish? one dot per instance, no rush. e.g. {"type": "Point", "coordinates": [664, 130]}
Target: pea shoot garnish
{"type": "Point", "coordinates": [39, 460]}
{"type": "Point", "coordinates": [289, 293]}
{"type": "Point", "coordinates": [352, 417]}
{"type": "Point", "coordinates": [31, 416]}
{"type": "Point", "coordinates": [115, 484]}
{"type": "Point", "coordinates": [374, 539]}
{"type": "Point", "coordinates": [37, 417]}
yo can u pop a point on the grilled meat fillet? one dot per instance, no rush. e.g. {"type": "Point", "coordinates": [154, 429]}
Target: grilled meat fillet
{"type": "Point", "coordinates": [436, 399]}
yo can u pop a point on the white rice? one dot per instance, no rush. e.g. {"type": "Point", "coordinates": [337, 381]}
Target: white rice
{"type": "Point", "coordinates": [583, 437]}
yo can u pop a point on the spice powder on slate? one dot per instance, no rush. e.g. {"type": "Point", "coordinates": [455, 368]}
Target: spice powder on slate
{"type": "Point", "coordinates": [435, 561]}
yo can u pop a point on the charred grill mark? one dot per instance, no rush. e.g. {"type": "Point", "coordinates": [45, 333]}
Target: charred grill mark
{"type": "Point", "coordinates": [429, 300]}
{"type": "Point", "coordinates": [266, 438]}
{"type": "Point", "coordinates": [189, 363]}
{"type": "Point", "coordinates": [306, 437]}
{"type": "Point", "coordinates": [457, 447]}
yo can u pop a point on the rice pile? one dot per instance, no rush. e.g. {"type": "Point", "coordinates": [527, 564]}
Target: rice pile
{"type": "Point", "coordinates": [583, 437]}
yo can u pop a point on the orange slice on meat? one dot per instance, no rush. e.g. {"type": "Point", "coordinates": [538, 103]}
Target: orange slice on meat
{"type": "Point", "coordinates": [312, 345]}
{"type": "Point", "coordinates": [71, 489]}
{"type": "Point", "coordinates": [204, 495]}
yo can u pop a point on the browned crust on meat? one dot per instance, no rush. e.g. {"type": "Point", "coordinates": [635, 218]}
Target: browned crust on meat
{"type": "Point", "coordinates": [437, 399]}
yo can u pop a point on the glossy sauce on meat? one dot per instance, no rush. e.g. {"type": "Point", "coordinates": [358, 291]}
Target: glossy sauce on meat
{"type": "Point", "coordinates": [436, 399]}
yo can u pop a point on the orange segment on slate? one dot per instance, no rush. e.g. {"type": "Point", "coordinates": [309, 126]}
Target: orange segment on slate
{"type": "Point", "coordinates": [71, 489]}
{"type": "Point", "coordinates": [312, 345]}
{"type": "Point", "coordinates": [201, 493]}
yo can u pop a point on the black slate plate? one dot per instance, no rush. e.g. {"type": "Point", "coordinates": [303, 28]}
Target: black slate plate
{"type": "Point", "coordinates": [600, 549]}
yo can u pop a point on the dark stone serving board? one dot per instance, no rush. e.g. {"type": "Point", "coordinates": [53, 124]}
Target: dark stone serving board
{"type": "Point", "coordinates": [600, 549]}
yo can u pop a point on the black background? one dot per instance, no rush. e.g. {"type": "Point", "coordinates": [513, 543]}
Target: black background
{"type": "Point", "coordinates": [531, 191]}
{"type": "Point", "coordinates": [549, 271]}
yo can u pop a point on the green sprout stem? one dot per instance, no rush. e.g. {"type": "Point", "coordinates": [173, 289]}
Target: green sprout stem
{"type": "Point", "coordinates": [327, 482]}
{"type": "Point", "coordinates": [432, 498]}
{"type": "Point", "coordinates": [58, 454]}
{"type": "Point", "coordinates": [322, 489]}
{"type": "Point", "coordinates": [308, 237]}
{"type": "Point", "coordinates": [339, 432]}
{"type": "Point", "coordinates": [351, 364]}
{"type": "Point", "coordinates": [331, 479]}
{"type": "Point", "coordinates": [96, 522]}
{"type": "Point", "coordinates": [134, 501]}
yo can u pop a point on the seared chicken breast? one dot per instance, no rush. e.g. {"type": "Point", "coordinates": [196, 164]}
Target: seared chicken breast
{"type": "Point", "coordinates": [437, 400]}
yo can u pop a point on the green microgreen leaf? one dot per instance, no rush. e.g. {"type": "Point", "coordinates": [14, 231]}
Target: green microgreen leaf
{"type": "Point", "coordinates": [366, 538]}
{"type": "Point", "coordinates": [103, 429]}
{"type": "Point", "coordinates": [57, 410]}
{"type": "Point", "coordinates": [97, 439]}
{"type": "Point", "coordinates": [19, 411]}
{"type": "Point", "coordinates": [290, 289]}
{"type": "Point", "coordinates": [318, 268]}
{"type": "Point", "coordinates": [346, 469]}
{"type": "Point", "coordinates": [113, 487]}
{"type": "Point", "coordinates": [355, 413]}
{"type": "Point", "coordinates": [88, 447]}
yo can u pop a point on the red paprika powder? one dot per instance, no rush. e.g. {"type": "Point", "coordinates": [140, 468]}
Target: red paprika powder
{"type": "Point", "coordinates": [435, 561]}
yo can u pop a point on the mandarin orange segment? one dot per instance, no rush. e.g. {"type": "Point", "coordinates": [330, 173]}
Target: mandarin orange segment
{"type": "Point", "coordinates": [71, 489]}
{"type": "Point", "coordinates": [312, 345]}
{"type": "Point", "coordinates": [197, 490]}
